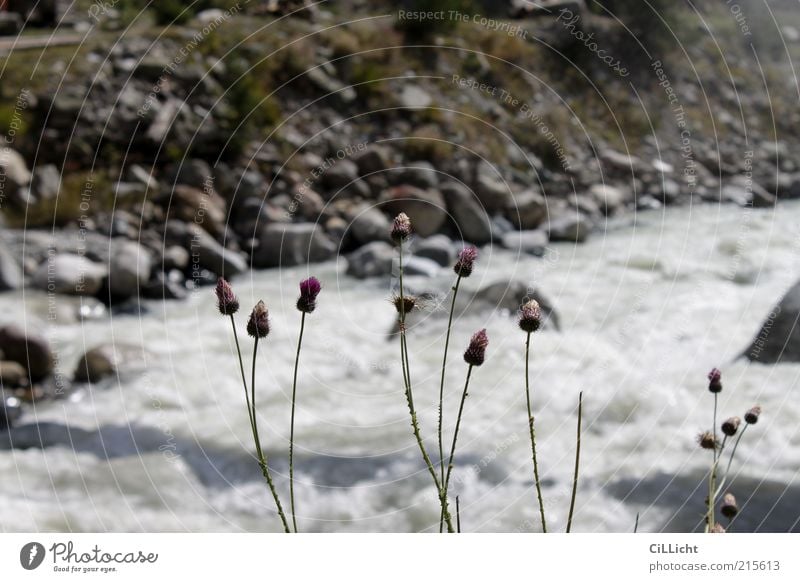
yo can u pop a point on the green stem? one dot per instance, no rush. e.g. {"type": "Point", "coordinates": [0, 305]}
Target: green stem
{"type": "Point", "coordinates": [291, 427]}
{"type": "Point", "coordinates": [262, 459]}
{"type": "Point", "coordinates": [241, 369]}
{"type": "Point", "coordinates": [533, 434]}
{"type": "Point", "coordinates": [577, 464]}
{"type": "Point", "coordinates": [636, 525]}
{"type": "Point", "coordinates": [730, 460]}
{"type": "Point", "coordinates": [712, 482]}
{"type": "Point", "coordinates": [410, 400]}
{"type": "Point", "coordinates": [441, 385]}
{"type": "Point", "coordinates": [455, 437]}
{"type": "Point", "coordinates": [458, 515]}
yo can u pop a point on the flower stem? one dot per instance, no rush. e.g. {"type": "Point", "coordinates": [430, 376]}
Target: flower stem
{"type": "Point", "coordinates": [730, 460]}
{"type": "Point", "coordinates": [410, 400]}
{"type": "Point", "coordinates": [533, 434]}
{"type": "Point", "coordinates": [455, 437]}
{"type": "Point", "coordinates": [262, 459]}
{"type": "Point", "coordinates": [712, 489]}
{"type": "Point", "coordinates": [241, 369]}
{"type": "Point", "coordinates": [577, 464]}
{"type": "Point", "coordinates": [291, 429]}
{"type": "Point", "coordinates": [441, 384]}
{"type": "Point", "coordinates": [458, 515]}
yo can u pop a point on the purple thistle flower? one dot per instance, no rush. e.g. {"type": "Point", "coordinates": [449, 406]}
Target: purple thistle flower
{"type": "Point", "coordinates": [730, 426]}
{"type": "Point", "coordinates": [309, 289]}
{"type": "Point", "coordinates": [227, 303]}
{"type": "Point", "coordinates": [258, 326]}
{"type": "Point", "coordinates": [714, 381]}
{"type": "Point", "coordinates": [466, 260]}
{"type": "Point", "coordinates": [751, 416]}
{"type": "Point", "coordinates": [401, 228]}
{"type": "Point", "coordinates": [530, 316]}
{"type": "Point", "coordinates": [476, 351]}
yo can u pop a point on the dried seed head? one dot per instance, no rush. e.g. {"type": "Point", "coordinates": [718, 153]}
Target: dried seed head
{"type": "Point", "coordinates": [717, 528]}
{"type": "Point", "coordinates": [751, 416]}
{"type": "Point", "coordinates": [406, 304]}
{"type": "Point", "coordinates": [714, 381]}
{"type": "Point", "coordinates": [706, 440]}
{"type": "Point", "coordinates": [476, 351]}
{"type": "Point", "coordinates": [730, 426]}
{"type": "Point", "coordinates": [309, 289]}
{"type": "Point", "coordinates": [227, 303]}
{"type": "Point", "coordinates": [401, 228]}
{"type": "Point", "coordinates": [466, 261]}
{"type": "Point", "coordinates": [258, 326]}
{"type": "Point", "coordinates": [729, 508]}
{"type": "Point", "coordinates": [530, 316]}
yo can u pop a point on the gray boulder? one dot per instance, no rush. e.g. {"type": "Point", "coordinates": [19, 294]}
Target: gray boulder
{"type": "Point", "coordinates": [472, 221]}
{"type": "Point", "coordinates": [209, 254]}
{"type": "Point", "coordinates": [420, 266]}
{"type": "Point", "coordinates": [10, 271]}
{"type": "Point", "coordinates": [128, 269]}
{"type": "Point", "coordinates": [778, 340]}
{"type": "Point", "coordinates": [420, 174]}
{"type": "Point", "coordinates": [292, 244]}
{"type": "Point", "coordinates": [369, 224]}
{"type": "Point", "coordinates": [425, 208]}
{"type": "Point", "coordinates": [510, 295]}
{"type": "Point", "coordinates": [45, 183]}
{"type": "Point", "coordinates": [529, 210]}
{"type": "Point", "coordinates": [371, 260]}
{"type": "Point", "coordinates": [569, 227]}
{"type": "Point", "coordinates": [108, 360]}
{"type": "Point", "coordinates": [27, 348]}
{"type": "Point", "coordinates": [533, 242]}
{"type": "Point", "coordinates": [15, 172]}
{"type": "Point", "coordinates": [70, 275]}
{"type": "Point", "coordinates": [437, 248]}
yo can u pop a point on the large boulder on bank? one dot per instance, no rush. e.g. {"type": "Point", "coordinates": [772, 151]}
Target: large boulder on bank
{"type": "Point", "coordinates": [425, 208]}
{"type": "Point", "coordinates": [129, 268]}
{"type": "Point", "coordinates": [15, 171]}
{"type": "Point", "coordinates": [292, 244]}
{"type": "Point", "coordinates": [472, 221]}
{"type": "Point", "coordinates": [510, 295]}
{"type": "Point", "coordinates": [371, 260]}
{"type": "Point", "coordinates": [778, 340]}
{"type": "Point", "coordinates": [211, 255]}
{"type": "Point", "coordinates": [69, 274]}
{"type": "Point", "coordinates": [27, 348]}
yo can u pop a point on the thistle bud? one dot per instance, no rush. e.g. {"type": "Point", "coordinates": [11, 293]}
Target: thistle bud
{"type": "Point", "coordinates": [730, 426]}
{"type": "Point", "coordinates": [717, 528]}
{"type": "Point", "coordinates": [706, 440]}
{"type": "Point", "coordinates": [258, 326]}
{"type": "Point", "coordinates": [401, 228]}
{"type": "Point", "coordinates": [476, 351]}
{"type": "Point", "coordinates": [530, 316]}
{"type": "Point", "coordinates": [729, 508]}
{"type": "Point", "coordinates": [714, 381]}
{"type": "Point", "coordinates": [406, 304]}
{"type": "Point", "coordinates": [309, 289]}
{"type": "Point", "coordinates": [466, 261]}
{"type": "Point", "coordinates": [751, 416]}
{"type": "Point", "coordinates": [227, 303]}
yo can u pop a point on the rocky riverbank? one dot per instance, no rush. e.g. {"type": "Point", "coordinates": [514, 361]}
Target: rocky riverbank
{"type": "Point", "coordinates": [157, 163]}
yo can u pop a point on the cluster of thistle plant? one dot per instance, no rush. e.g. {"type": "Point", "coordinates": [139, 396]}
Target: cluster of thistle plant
{"type": "Point", "coordinates": [530, 320]}
{"type": "Point", "coordinates": [258, 328]}
{"type": "Point", "coordinates": [731, 429]}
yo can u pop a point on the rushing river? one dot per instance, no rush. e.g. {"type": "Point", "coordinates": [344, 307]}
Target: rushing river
{"type": "Point", "coordinates": [646, 308]}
